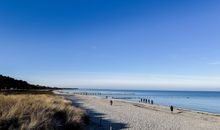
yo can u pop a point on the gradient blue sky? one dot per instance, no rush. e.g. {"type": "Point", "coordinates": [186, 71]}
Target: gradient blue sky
{"type": "Point", "coordinates": [135, 44]}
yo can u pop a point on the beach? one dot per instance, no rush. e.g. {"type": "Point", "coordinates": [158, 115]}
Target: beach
{"type": "Point", "coordinates": [140, 116]}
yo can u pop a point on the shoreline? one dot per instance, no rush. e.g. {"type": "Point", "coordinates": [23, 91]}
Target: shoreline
{"type": "Point", "coordinates": [153, 105]}
{"type": "Point", "coordinates": [192, 119]}
{"type": "Point", "coordinates": [129, 101]}
{"type": "Point", "coordinates": [205, 102]}
{"type": "Point", "coordinates": [167, 107]}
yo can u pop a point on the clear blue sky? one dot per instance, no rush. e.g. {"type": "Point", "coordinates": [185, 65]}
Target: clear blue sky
{"type": "Point", "coordinates": [149, 44]}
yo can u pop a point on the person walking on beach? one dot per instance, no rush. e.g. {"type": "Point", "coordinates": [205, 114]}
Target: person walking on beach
{"type": "Point", "coordinates": [171, 109]}
{"type": "Point", "coordinates": [152, 102]}
{"type": "Point", "coordinates": [111, 102]}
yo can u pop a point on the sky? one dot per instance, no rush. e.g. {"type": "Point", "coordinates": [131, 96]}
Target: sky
{"type": "Point", "coordinates": [121, 44]}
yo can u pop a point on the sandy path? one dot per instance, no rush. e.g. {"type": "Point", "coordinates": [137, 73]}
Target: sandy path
{"type": "Point", "coordinates": [138, 116]}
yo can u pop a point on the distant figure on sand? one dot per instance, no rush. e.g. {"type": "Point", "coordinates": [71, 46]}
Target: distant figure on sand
{"type": "Point", "coordinates": [152, 102]}
{"type": "Point", "coordinates": [171, 109]}
{"type": "Point", "coordinates": [111, 102]}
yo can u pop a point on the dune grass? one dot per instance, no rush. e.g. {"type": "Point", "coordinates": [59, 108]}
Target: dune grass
{"type": "Point", "coordinates": [39, 112]}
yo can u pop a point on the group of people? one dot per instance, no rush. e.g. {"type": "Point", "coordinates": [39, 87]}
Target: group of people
{"type": "Point", "coordinates": [147, 100]}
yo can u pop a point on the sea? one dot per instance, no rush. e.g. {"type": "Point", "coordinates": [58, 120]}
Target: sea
{"type": "Point", "coordinates": [204, 101]}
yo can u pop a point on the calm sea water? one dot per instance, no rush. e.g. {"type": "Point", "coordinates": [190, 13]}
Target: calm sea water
{"type": "Point", "coordinates": [205, 101]}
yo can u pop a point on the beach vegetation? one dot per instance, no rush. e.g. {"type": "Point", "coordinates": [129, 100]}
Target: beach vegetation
{"type": "Point", "coordinates": [39, 112]}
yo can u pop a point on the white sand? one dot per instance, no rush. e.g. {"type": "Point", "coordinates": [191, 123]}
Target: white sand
{"type": "Point", "coordinates": [140, 116]}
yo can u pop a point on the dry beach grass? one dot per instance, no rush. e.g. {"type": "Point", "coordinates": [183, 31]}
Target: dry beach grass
{"type": "Point", "coordinates": [38, 112]}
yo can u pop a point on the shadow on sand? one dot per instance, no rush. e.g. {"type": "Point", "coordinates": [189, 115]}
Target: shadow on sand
{"type": "Point", "coordinates": [96, 120]}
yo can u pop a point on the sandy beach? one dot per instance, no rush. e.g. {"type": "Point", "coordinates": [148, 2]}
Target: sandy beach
{"type": "Point", "coordinates": [141, 116]}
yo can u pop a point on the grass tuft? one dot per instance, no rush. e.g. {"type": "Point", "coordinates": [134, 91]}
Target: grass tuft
{"type": "Point", "coordinates": [39, 112]}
